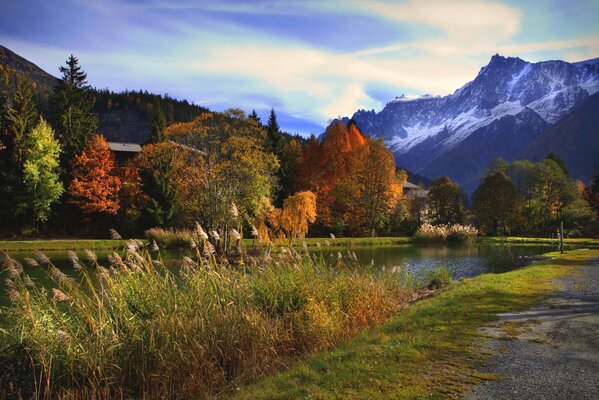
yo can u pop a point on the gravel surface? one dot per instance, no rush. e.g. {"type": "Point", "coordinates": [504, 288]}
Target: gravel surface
{"type": "Point", "coordinates": [550, 351]}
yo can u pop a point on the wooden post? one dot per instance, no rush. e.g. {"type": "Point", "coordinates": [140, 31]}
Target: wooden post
{"type": "Point", "coordinates": [561, 237]}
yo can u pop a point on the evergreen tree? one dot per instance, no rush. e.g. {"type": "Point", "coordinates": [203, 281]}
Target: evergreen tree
{"type": "Point", "coordinates": [273, 134]}
{"type": "Point", "coordinates": [158, 123]}
{"type": "Point", "coordinates": [73, 119]}
{"type": "Point", "coordinates": [22, 114]}
{"type": "Point", "coordinates": [559, 161]}
{"type": "Point", "coordinates": [42, 186]}
{"type": "Point", "coordinates": [255, 117]}
{"type": "Point", "coordinates": [17, 118]}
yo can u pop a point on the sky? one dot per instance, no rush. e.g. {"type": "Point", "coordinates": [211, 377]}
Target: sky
{"type": "Point", "coordinates": [309, 60]}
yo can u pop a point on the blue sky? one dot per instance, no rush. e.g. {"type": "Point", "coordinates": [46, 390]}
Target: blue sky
{"type": "Point", "coordinates": [310, 60]}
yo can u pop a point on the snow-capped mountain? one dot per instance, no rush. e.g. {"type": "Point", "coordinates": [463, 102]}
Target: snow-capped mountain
{"type": "Point", "coordinates": [501, 111]}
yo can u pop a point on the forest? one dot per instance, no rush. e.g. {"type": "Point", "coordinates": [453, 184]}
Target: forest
{"type": "Point", "coordinates": [58, 177]}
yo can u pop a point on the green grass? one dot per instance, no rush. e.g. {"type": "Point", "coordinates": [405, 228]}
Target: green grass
{"type": "Point", "coordinates": [428, 351]}
{"type": "Point", "coordinates": [99, 244]}
{"type": "Point", "coordinates": [579, 242]}
{"type": "Point", "coordinates": [61, 244]}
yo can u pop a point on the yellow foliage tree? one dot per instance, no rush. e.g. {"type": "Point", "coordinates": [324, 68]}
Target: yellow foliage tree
{"type": "Point", "coordinates": [299, 210]}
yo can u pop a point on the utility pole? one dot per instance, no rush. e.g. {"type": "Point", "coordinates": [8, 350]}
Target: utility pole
{"type": "Point", "coordinates": [561, 237]}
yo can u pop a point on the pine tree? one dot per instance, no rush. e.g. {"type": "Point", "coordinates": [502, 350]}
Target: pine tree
{"type": "Point", "coordinates": [18, 118]}
{"type": "Point", "coordinates": [42, 186]}
{"type": "Point", "coordinates": [158, 123]}
{"type": "Point", "coordinates": [22, 114]}
{"type": "Point", "coordinates": [73, 119]}
{"type": "Point", "coordinates": [273, 134]}
{"type": "Point", "coordinates": [255, 117]}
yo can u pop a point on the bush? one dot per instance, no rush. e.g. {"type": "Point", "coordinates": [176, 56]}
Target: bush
{"type": "Point", "coordinates": [438, 278]}
{"type": "Point", "coordinates": [171, 238]}
{"type": "Point", "coordinates": [442, 233]}
{"type": "Point", "coordinates": [134, 329]}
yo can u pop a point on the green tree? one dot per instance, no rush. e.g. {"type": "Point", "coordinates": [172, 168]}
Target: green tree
{"type": "Point", "coordinates": [18, 115]}
{"type": "Point", "coordinates": [255, 117]}
{"type": "Point", "coordinates": [40, 172]}
{"type": "Point", "coordinates": [496, 203]}
{"type": "Point", "coordinates": [273, 134]}
{"type": "Point", "coordinates": [22, 114]}
{"type": "Point", "coordinates": [72, 116]}
{"type": "Point", "coordinates": [158, 123]}
{"type": "Point", "coordinates": [559, 161]}
{"type": "Point", "coordinates": [446, 201]}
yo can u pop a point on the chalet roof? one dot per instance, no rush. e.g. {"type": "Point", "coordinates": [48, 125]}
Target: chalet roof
{"type": "Point", "coordinates": [124, 147]}
{"type": "Point", "coordinates": [409, 185]}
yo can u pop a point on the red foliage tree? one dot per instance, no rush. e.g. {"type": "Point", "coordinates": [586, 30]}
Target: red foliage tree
{"type": "Point", "coordinates": [95, 187]}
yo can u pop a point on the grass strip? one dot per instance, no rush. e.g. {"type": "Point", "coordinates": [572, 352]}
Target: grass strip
{"type": "Point", "coordinates": [60, 244]}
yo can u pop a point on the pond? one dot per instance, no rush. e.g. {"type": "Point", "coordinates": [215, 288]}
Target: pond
{"type": "Point", "coordinates": [417, 259]}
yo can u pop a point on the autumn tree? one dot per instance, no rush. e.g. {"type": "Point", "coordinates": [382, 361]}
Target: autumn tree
{"type": "Point", "coordinates": [95, 186]}
{"type": "Point", "coordinates": [381, 186]}
{"type": "Point", "coordinates": [225, 163]}
{"type": "Point", "coordinates": [42, 187]}
{"type": "Point", "coordinates": [299, 211]}
{"type": "Point", "coordinates": [72, 115]}
{"type": "Point", "coordinates": [446, 201]}
{"type": "Point", "coordinates": [132, 199]}
{"type": "Point", "coordinates": [497, 204]}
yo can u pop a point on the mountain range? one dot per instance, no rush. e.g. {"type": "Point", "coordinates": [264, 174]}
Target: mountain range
{"type": "Point", "coordinates": [513, 109]}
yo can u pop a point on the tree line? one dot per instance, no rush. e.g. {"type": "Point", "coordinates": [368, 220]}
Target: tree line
{"type": "Point", "coordinates": [58, 175]}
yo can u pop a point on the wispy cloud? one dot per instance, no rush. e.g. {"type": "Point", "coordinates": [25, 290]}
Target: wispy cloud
{"type": "Point", "coordinates": [312, 60]}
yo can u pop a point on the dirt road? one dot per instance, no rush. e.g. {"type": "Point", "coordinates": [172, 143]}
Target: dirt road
{"type": "Point", "coordinates": [550, 351]}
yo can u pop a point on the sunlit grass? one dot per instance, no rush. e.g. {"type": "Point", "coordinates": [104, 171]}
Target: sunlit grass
{"type": "Point", "coordinates": [428, 351]}
{"type": "Point", "coordinates": [134, 329]}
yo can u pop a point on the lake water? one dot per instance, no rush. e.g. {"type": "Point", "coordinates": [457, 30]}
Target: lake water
{"type": "Point", "coordinates": [418, 259]}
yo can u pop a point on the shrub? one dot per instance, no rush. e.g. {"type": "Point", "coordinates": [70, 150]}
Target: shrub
{"type": "Point", "coordinates": [438, 277]}
{"type": "Point", "coordinates": [442, 233]}
{"type": "Point", "coordinates": [134, 329]}
{"type": "Point", "coordinates": [171, 238]}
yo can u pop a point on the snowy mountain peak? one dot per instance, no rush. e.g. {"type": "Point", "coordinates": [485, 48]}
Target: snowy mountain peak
{"type": "Point", "coordinates": [507, 92]}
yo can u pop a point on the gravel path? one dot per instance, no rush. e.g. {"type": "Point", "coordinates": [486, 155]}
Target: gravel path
{"type": "Point", "coordinates": [550, 351]}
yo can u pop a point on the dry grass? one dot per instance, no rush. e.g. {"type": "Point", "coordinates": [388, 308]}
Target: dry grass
{"type": "Point", "coordinates": [132, 329]}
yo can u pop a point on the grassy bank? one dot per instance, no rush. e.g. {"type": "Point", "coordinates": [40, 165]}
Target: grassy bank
{"type": "Point", "coordinates": [428, 350]}
{"type": "Point", "coordinates": [101, 244]}
{"type": "Point", "coordinates": [579, 242]}
{"type": "Point", "coordinates": [60, 244]}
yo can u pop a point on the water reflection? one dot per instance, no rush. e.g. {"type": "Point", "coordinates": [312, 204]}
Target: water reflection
{"type": "Point", "coordinates": [462, 260]}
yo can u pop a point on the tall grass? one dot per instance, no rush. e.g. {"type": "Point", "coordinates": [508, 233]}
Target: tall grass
{"type": "Point", "coordinates": [132, 329]}
{"type": "Point", "coordinates": [445, 233]}
{"type": "Point", "coordinates": [172, 238]}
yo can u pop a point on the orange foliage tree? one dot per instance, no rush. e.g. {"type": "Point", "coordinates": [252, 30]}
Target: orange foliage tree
{"type": "Point", "coordinates": [354, 178]}
{"type": "Point", "coordinates": [95, 187]}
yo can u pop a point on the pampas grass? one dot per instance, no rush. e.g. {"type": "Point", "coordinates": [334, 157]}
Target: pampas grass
{"type": "Point", "coordinates": [445, 233]}
{"type": "Point", "coordinates": [135, 330]}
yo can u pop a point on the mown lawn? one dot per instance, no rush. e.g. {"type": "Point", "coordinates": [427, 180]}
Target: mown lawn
{"type": "Point", "coordinates": [60, 244]}
{"type": "Point", "coordinates": [428, 351]}
{"type": "Point", "coordinates": [99, 244]}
